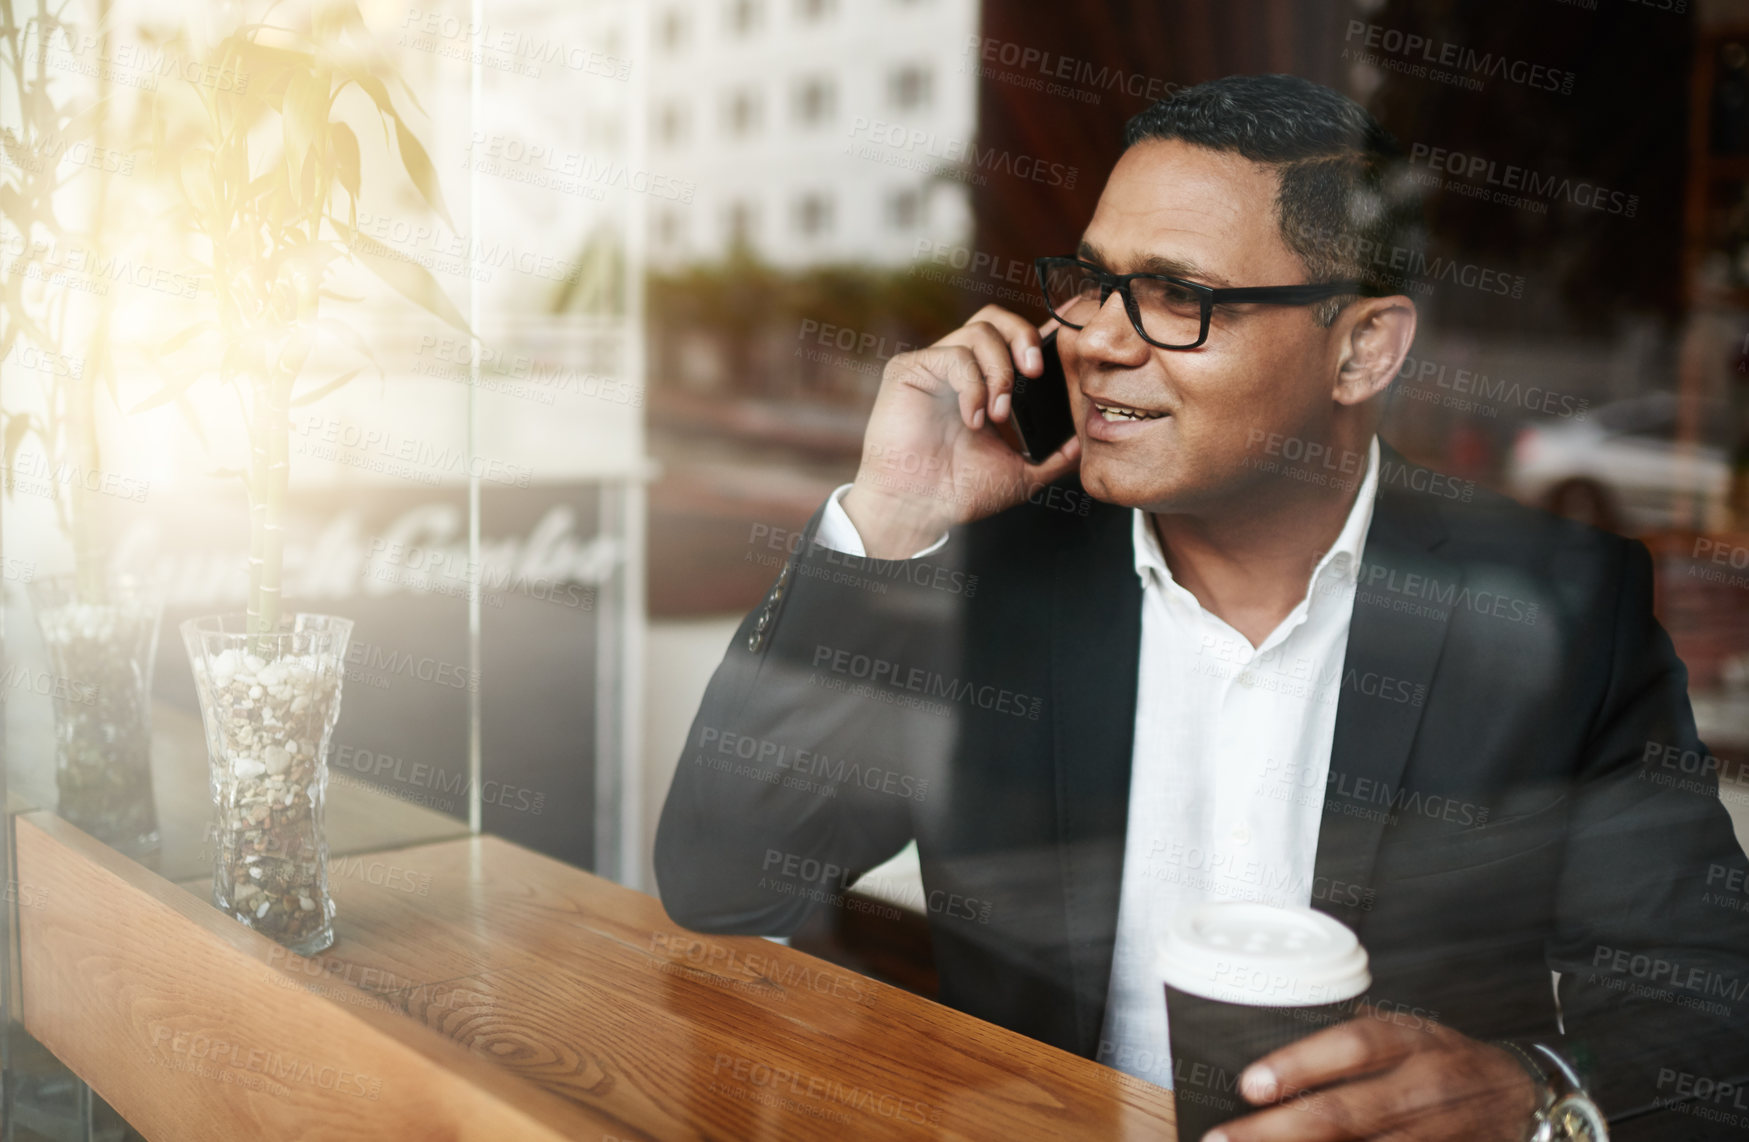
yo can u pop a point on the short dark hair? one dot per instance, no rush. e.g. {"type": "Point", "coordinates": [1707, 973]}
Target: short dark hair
{"type": "Point", "coordinates": [1345, 205]}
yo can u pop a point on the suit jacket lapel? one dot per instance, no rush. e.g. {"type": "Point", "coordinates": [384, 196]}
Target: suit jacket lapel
{"type": "Point", "coordinates": [1394, 640]}
{"type": "Point", "coordinates": [1096, 633]}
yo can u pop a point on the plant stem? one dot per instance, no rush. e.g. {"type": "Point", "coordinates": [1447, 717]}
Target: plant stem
{"type": "Point", "coordinates": [88, 553]}
{"type": "Point", "coordinates": [270, 448]}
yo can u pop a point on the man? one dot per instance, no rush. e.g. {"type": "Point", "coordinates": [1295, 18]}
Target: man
{"type": "Point", "coordinates": [1224, 644]}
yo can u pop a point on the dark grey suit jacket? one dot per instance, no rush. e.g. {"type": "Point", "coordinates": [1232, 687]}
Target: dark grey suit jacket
{"type": "Point", "coordinates": [1516, 785]}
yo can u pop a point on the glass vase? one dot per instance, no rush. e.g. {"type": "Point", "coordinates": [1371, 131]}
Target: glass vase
{"type": "Point", "coordinates": [101, 644]}
{"type": "Point", "coordinates": [269, 703]}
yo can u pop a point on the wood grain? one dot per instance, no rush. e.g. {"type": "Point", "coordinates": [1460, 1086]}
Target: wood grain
{"type": "Point", "coordinates": [568, 986]}
{"type": "Point", "coordinates": [195, 1028]}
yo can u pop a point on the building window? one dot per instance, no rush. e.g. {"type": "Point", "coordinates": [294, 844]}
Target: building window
{"type": "Point", "coordinates": [671, 124]}
{"type": "Point", "coordinates": [742, 113]}
{"type": "Point", "coordinates": [904, 209]}
{"type": "Point", "coordinates": [743, 16]}
{"type": "Point", "coordinates": [815, 101]}
{"type": "Point", "coordinates": [908, 88]}
{"type": "Point", "coordinates": [671, 229]}
{"type": "Point", "coordinates": [673, 31]}
{"type": "Point", "coordinates": [741, 222]}
{"type": "Point", "coordinates": [811, 10]}
{"type": "Point", "coordinates": [813, 215]}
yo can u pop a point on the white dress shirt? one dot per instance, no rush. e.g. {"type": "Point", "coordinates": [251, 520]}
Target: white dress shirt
{"type": "Point", "coordinates": [1232, 747]}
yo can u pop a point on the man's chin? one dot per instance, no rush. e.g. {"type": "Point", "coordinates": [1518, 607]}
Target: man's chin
{"type": "Point", "coordinates": [1129, 489]}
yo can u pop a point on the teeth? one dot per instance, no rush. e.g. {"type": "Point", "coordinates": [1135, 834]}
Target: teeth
{"type": "Point", "coordinates": [1109, 412]}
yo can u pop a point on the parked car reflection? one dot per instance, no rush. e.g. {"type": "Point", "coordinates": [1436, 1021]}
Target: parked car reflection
{"type": "Point", "coordinates": [1621, 468]}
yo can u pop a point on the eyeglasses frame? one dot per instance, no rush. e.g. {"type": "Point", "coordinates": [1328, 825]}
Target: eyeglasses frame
{"type": "Point", "coordinates": [1305, 294]}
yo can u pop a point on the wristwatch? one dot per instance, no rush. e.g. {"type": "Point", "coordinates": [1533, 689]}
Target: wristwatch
{"type": "Point", "coordinates": [1566, 1113]}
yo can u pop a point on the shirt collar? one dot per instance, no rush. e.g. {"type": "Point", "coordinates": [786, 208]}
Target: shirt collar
{"type": "Point", "coordinates": [1342, 558]}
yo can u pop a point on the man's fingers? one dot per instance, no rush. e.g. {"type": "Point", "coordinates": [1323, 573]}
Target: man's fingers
{"type": "Point", "coordinates": [1358, 1047]}
{"type": "Point", "coordinates": [1022, 336]}
{"type": "Point", "coordinates": [996, 359]}
{"type": "Point", "coordinates": [940, 369]}
{"type": "Point", "coordinates": [1337, 1115]}
{"type": "Point", "coordinates": [1409, 1103]}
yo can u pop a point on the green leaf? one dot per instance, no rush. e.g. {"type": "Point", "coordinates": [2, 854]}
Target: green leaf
{"type": "Point", "coordinates": [197, 180]}
{"type": "Point", "coordinates": [267, 68]}
{"type": "Point", "coordinates": [178, 340]}
{"type": "Point", "coordinates": [17, 426]}
{"type": "Point", "coordinates": [19, 318]}
{"type": "Point", "coordinates": [15, 150]}
{"type": "Point", "coordinates": [172, 392]}
{"type": "Point", "coordinates": [351, 336]}
{"type": "Point", "coordinates": [420, 170]}
{"type": "Point", "coordinates": [345, 145]}
{"type": "Point", "coordinates": [411, 97]}
{"type": "Point", "coordinates": [373, 87]}
{"type": "Point", "coordinates": [13, 208]}
{"type": "Point", "coordinates": [305, 117]}
{"type": "Point", "coordinates": [413, 282]}
{"type": "Point", "coordinates": [330, 20]}
{"type": "Point", "coordinates": [318, 394]}
{"type": "Point", "coordinates": [187, 409]}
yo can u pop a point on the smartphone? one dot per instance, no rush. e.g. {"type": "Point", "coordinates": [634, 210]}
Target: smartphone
{"type": "Point", "coordinates": [1041, 406]}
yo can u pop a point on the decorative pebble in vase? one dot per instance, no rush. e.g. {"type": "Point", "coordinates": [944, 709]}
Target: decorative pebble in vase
{"type": "Point", "coordinates": [101, 644]}
{"type": "Point", "coordinates": [269, 703]}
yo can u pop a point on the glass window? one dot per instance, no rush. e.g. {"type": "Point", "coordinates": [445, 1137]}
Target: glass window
{"type": "Point", "coordinates": [673, 29]}
{"type": "Point", "coordinates": [743, 16]}
{"type": "Point", "coordinates": [904, 209]}
{"type": "Point", "coordinates": [671, 124]}
{"type": "Point", "coordinates": [671, 229]}
{"type": "Point", "coordinates": [909, 87]}
{"type": "Point", "coordinates": [741, 221]}
{"type": "Point", "coordinates": [816, 99]}
{"type": "Point", "coordinates": [742, 112]}
{"type": "Point", "coordinates": [813, 215]}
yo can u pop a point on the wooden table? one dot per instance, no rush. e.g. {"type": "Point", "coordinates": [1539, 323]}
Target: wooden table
{"type": "Point", "coordinates": [478, 990]}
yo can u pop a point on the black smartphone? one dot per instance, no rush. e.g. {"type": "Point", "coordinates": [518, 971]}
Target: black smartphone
{"type": "Point", "coordinates": [1041, 406]}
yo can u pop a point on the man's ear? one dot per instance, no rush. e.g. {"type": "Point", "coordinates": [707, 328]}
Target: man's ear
{"type": "Point", "coordinates": [1374, 336]}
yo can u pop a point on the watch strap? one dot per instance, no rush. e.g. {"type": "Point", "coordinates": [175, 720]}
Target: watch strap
{"type": "Point", "coordinates": [1547, 1091]}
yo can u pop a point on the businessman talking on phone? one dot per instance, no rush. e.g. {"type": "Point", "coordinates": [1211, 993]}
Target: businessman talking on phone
{"type": "Point", "coordinates": [1243, 650]}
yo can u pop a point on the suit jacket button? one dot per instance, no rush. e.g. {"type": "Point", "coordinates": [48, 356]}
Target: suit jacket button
{"type": "Point", "coordinates": [753, 641]}
{"type": "Point", "coordinates": [764, 620]}
{"type": "Point", "coordinates": [783, 572]}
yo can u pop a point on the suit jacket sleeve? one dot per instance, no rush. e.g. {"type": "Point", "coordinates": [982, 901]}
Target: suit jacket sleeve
{"type": "Point", "coordinates": [815, 741]}
{"type": "Point", "coordinates": [1653, 953]}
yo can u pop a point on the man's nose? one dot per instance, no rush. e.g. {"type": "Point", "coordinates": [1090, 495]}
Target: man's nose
{"type": "Point", "coordinates": [1110, 337]}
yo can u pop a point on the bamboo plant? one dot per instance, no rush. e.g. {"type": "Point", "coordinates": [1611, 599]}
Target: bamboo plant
{"type": "Point", "coordinates": [52, 121]}
{"type": "Point", "coordinates": [269, 176]}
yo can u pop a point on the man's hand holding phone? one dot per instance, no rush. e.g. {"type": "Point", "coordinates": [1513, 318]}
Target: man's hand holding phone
{"type": "Point", "coordinates": [932, 456]}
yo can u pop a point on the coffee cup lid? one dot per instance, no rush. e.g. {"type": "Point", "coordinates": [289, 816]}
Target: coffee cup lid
{"type": "Point", "coordinates": [1262, 956]}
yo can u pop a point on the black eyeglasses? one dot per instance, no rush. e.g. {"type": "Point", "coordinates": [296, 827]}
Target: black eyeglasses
{"type": "Point", "coordinates": [1168, 312]}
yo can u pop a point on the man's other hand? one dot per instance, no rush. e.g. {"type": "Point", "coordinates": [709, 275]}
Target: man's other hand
{"type": "Point", "coordinates": [1376, 1078]}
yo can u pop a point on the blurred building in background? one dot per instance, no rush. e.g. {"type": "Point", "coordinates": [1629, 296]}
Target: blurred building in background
{"type": "Point", "coordinates": [779, 112]}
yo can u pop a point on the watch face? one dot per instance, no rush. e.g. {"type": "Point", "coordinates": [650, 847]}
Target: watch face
{"type": "Point", "coordinates": [1577, 1119]}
